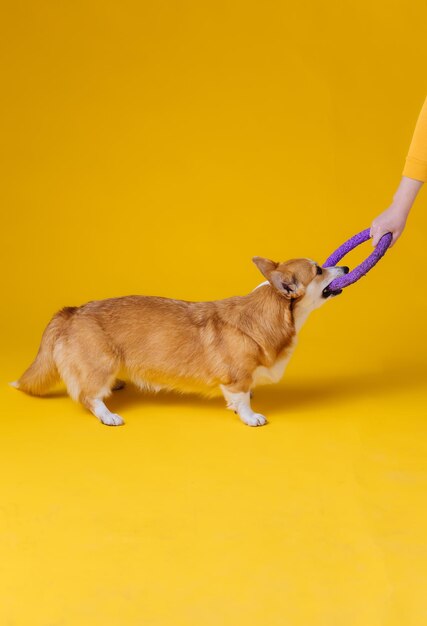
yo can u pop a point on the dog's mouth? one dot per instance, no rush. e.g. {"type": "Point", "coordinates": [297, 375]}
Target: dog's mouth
{"type": "Point", "coordinates": [329, 293]}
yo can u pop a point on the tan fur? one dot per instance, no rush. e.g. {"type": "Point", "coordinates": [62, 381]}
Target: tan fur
{"type": "Point", "coordinates": [43, 373]}
{"type": "Point", "coordinates": [164, 343]}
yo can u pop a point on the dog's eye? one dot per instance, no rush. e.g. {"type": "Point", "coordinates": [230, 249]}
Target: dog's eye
{"type": "Point", "coordinates": [319, 270]}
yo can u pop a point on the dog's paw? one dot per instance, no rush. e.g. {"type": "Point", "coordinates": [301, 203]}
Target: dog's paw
{"type": "Point", "coordinates": [112, 420]}
{"type": "Point", "coordinates": [256, 419]}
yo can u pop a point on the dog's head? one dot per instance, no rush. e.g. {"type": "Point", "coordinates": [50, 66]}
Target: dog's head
{"type": "Point", "coordinates": [300, 279]}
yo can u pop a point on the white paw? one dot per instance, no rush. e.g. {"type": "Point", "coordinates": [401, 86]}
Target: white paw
{"type": "Point", "coordinates": [256, 419]}
{"type": "Point", "coordinates": [112, 420]}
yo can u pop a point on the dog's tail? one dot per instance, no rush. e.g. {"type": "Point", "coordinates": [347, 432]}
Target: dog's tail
{"type": "Point", "coordinates": [43, 373]}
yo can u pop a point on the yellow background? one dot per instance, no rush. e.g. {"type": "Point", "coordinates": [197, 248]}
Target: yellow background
{"type": "Point", "coordinates": [154, 147]}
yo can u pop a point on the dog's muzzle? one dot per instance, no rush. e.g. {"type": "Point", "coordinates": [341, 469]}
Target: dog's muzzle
{"type": "Point", "coordinates": [326, 293]}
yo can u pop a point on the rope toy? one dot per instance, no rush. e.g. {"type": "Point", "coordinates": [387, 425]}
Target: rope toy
{"type": "Point", "coordinates": [338, 284]}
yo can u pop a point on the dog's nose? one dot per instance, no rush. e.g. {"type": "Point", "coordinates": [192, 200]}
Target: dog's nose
{"type": "Point", "coordinates": [345, 269]}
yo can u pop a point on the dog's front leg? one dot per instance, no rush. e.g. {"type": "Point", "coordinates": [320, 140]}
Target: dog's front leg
{"type": "Point", "coordinates": [240, 403]}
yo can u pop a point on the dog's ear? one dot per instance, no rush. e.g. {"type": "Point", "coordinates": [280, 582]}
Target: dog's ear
{"type": "Point", "coordinates": [287, 283]}
{"type": "Point", "coordinates": [265, 266]}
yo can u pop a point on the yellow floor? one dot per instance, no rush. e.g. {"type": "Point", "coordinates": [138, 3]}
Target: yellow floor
{"type": "Point", "coordinates": [186, 517]}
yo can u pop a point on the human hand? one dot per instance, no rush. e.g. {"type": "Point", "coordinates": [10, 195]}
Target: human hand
{"type": "Point", "coordinates": [392, 220]}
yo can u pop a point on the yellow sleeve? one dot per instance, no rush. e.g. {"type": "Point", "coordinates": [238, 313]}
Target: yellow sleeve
{"type": "Point", "coordinates": [416, 160]}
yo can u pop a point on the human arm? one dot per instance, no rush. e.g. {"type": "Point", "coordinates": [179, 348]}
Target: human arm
{"type": "Point", "coordinates": [414, 174]}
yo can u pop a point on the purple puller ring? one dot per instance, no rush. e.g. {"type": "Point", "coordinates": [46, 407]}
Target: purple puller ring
{"type": "Point", "coordinates": [344, 281]}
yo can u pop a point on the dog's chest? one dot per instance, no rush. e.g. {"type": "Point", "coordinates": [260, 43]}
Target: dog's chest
{"type": "Point", "coordinates": [267, 375]}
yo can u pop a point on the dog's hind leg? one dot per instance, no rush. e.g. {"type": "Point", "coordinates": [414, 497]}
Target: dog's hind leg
{"type": "Point", "coordinates": [98, 408]}
{"type": "Point", "coordinates": [93, 391]}
{"type": "Point", "coordinates": [89, 370]}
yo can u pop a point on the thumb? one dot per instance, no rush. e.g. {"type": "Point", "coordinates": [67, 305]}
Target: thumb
{"type": "Point", "coordinates": [376, 236]}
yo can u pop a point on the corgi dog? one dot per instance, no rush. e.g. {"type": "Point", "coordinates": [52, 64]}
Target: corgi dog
{"type": "Point", "coordinates": [227, 346]}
